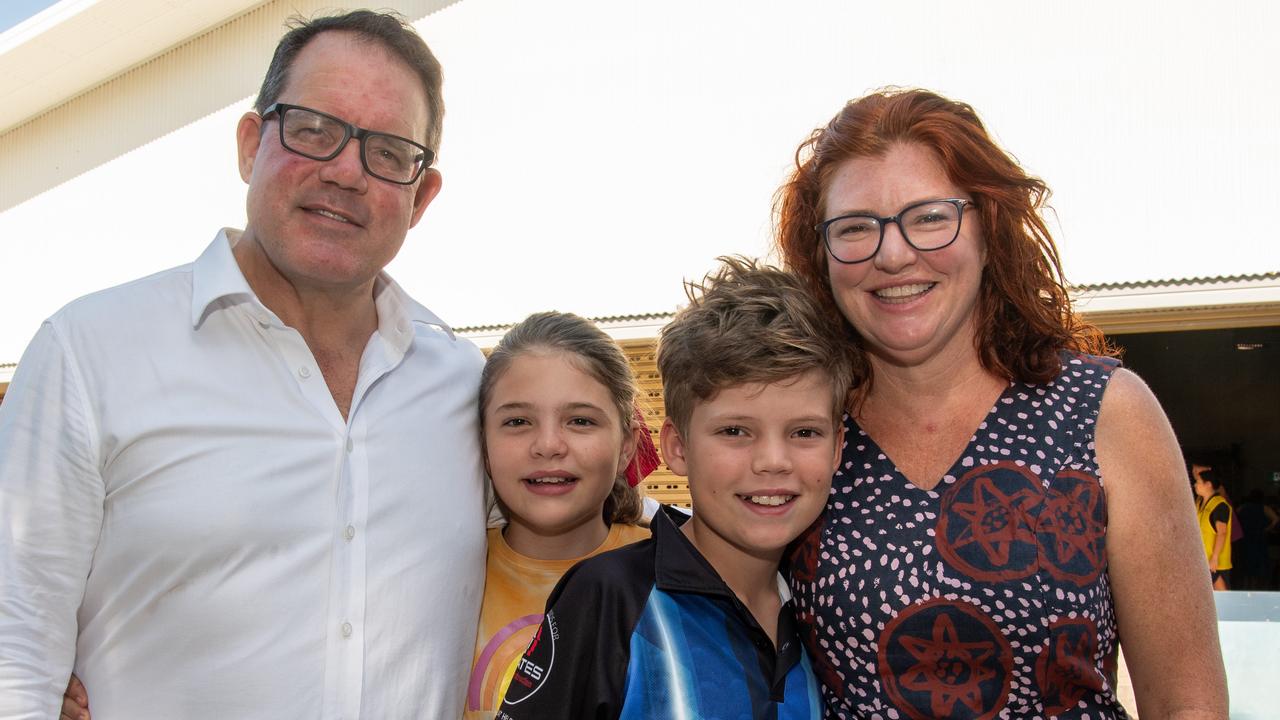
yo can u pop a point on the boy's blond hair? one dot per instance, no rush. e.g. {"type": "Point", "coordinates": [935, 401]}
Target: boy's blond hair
{"type": "Point", "coordinates": [748, 322]}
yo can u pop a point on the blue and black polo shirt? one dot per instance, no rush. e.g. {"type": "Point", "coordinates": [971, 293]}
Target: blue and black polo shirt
{"type": "Point", "coordinates": [651, 631]}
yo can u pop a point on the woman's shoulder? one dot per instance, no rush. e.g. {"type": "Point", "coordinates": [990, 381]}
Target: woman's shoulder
{"type": "Point", "coordinates": [1078, 365]}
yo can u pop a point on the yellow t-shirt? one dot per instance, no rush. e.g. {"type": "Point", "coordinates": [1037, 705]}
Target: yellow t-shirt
{"type": "Point", "coordinates": [1208, 533]}
{"type": "Point", "coordinates": [515, 594]}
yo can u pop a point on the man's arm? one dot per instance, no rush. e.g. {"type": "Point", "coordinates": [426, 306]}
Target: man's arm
{"type": "Point", "coordinates": [51, 504]}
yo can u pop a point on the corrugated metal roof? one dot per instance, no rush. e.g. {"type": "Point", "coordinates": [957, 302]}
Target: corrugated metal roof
{"type": "Point", "coordinates": [1192, 287]}
{"type": "Point", "coordinates": [605, 320]}
{"type": "Point", "coordinates": [1177, 282]}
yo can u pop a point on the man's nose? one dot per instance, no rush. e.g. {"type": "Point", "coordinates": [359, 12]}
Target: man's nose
{"type": "Point", "coordinates": [346, 170]}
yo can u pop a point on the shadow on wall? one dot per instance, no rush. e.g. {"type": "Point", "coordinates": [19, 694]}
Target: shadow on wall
{"type": "Point", "coordinates": [203, 75]}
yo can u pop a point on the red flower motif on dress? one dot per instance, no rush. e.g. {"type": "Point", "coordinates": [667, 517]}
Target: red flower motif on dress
{"type": "Point", "coordinates": [1072, 528]}
{"type": "Point", "coordinates": [948, 668]}
{"type": "Point", "coordinates": [944, 658]}
{"type": "Point", "coordinates": [985, 529]}
{"type": "Point", "coordinates": [1066, 670]}
{"type": "Point", "coordinates": [802, 554]}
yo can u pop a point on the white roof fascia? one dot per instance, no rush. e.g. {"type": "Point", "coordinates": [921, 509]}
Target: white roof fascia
{"type": "Point", "coordinates": [621, 329]}
{"type": "Point", "coordinates": [75, 45]}
{"type": "Point", "coordinates": [1172, 296]}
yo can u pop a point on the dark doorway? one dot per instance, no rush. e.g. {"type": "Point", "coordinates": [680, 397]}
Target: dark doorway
{"type": "Point", "coordinates": [1221, 390]}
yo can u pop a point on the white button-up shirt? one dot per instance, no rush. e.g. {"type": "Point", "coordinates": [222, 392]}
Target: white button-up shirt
{"type": "Point", "coordinates": [186, 515]}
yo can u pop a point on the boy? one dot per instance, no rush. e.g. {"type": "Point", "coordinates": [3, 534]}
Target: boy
{"type": "Point", "coordinates": [696, 622]}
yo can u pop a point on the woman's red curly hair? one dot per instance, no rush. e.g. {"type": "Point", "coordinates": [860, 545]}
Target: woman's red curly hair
{"type": "Point", "coordinates": [1024, 313]}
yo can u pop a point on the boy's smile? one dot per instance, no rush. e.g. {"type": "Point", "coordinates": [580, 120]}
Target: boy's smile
{"type": "Point", "coordinates": [759, 460]}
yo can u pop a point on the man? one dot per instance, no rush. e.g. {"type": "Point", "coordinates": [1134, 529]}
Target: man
{"type": "Point", "coordinates": [250, 487]}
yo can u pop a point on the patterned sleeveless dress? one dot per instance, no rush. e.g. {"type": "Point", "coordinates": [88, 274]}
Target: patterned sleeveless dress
{"type": "Point", "coordinates": [986, 597]}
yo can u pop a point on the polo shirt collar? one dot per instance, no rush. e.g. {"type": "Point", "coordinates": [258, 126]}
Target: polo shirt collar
{"type": "Point", "coordinates": [679, 567]}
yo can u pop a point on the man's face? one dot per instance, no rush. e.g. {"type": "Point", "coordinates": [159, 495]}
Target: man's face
{"type": "Point", "coordinates": [329, 224]}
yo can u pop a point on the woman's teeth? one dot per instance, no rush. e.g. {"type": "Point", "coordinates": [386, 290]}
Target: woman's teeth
{"type": "Point", "coordinates": [903, 292]}
{"type": "Point", "coordinates": [770, 500]}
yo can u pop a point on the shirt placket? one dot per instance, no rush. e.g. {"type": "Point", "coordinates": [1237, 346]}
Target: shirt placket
{"type": "Point", "coordinates": [349, 480]}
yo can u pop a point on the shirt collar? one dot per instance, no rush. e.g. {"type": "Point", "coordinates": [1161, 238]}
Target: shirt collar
{"type": "Point", "coordinates": [678, 564]}
{"type": "Point", "coordinates": [217, 281]}
{"type": "Point", "coordinates": [216, 276]}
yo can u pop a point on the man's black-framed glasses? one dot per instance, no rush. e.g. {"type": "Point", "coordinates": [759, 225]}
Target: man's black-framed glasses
{"type": "Point", "coordinates": [320, 136]}
{"type": "Point", "coordinates": [928, 225]}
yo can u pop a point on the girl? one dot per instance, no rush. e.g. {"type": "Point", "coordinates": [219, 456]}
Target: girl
{"type": "Point", "coordinates": [565, 448]}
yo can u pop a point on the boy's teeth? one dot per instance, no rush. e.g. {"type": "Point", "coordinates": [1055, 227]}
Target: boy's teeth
{"type": "Point", "coordinates": [771, 500]}
{"type": "Point", "coordinates": [900, 291]}
{"type": "Point", "coordinates": [328, 214]}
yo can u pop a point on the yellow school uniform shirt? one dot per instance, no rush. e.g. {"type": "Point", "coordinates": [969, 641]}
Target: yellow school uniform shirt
{"type": "Point", "coordinates": [515, 594]}
{"type": "Point", "coordinates": [1207, 531]}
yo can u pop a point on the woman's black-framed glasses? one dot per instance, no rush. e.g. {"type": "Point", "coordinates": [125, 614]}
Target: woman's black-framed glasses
{"type": "Point", "coordinates": [320, 136]}
{"type": "Point", "coordinates": [928, 225]}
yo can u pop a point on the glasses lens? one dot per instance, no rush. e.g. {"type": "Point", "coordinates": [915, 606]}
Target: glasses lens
{"type": "Point", "coordinates": [853, 238]}
{"type": "Point", "coordinates": [932, 225]}
{"type": "Point", "coordinates": [392, 158]}
{"type": "Point", "coordinates": [311, 134]}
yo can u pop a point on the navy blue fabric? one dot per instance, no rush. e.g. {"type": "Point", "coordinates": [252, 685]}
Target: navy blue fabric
{"type": "Point", "coordinates": [651, 632]}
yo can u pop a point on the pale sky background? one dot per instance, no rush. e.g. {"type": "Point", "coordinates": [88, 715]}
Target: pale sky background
{"type": "Point", "coordinates": [597, 153]}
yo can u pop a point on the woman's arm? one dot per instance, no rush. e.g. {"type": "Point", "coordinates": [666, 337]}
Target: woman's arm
{"type": "Point", "coordinates": [1164, 603]}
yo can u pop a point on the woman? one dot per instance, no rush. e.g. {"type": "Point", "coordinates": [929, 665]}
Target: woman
{"type": "Point", "coordinates": [1213, 513]}
{"type": "Point", "coordinates": [1010, 503]}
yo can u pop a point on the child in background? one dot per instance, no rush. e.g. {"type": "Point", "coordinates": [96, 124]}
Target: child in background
{"type": "Point", "coordinates": [565, 447]}
{"type": "Point", "coordinates": [696, 622]}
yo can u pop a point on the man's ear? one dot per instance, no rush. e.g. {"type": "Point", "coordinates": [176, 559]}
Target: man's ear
{"type": "Point", "coordinates": [248, 141]}
{"type": "Point", "coordinates": [428, 187]}
{"type": "Point", "coordinates": [673, 449]}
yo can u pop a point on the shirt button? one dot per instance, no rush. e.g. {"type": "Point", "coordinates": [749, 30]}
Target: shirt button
{"type": "Point", "coordinates": [305, 372]}
{"type": "Point", "coordinates": [349, 532]}
{"type": "Point", "coordinates": [350, 445]}
{"type": "Point", "coordinates": [346, 629]}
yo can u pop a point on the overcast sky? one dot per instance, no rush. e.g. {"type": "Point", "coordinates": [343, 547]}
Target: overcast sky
{"type": "Point", "coordinates": [597, 153]}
